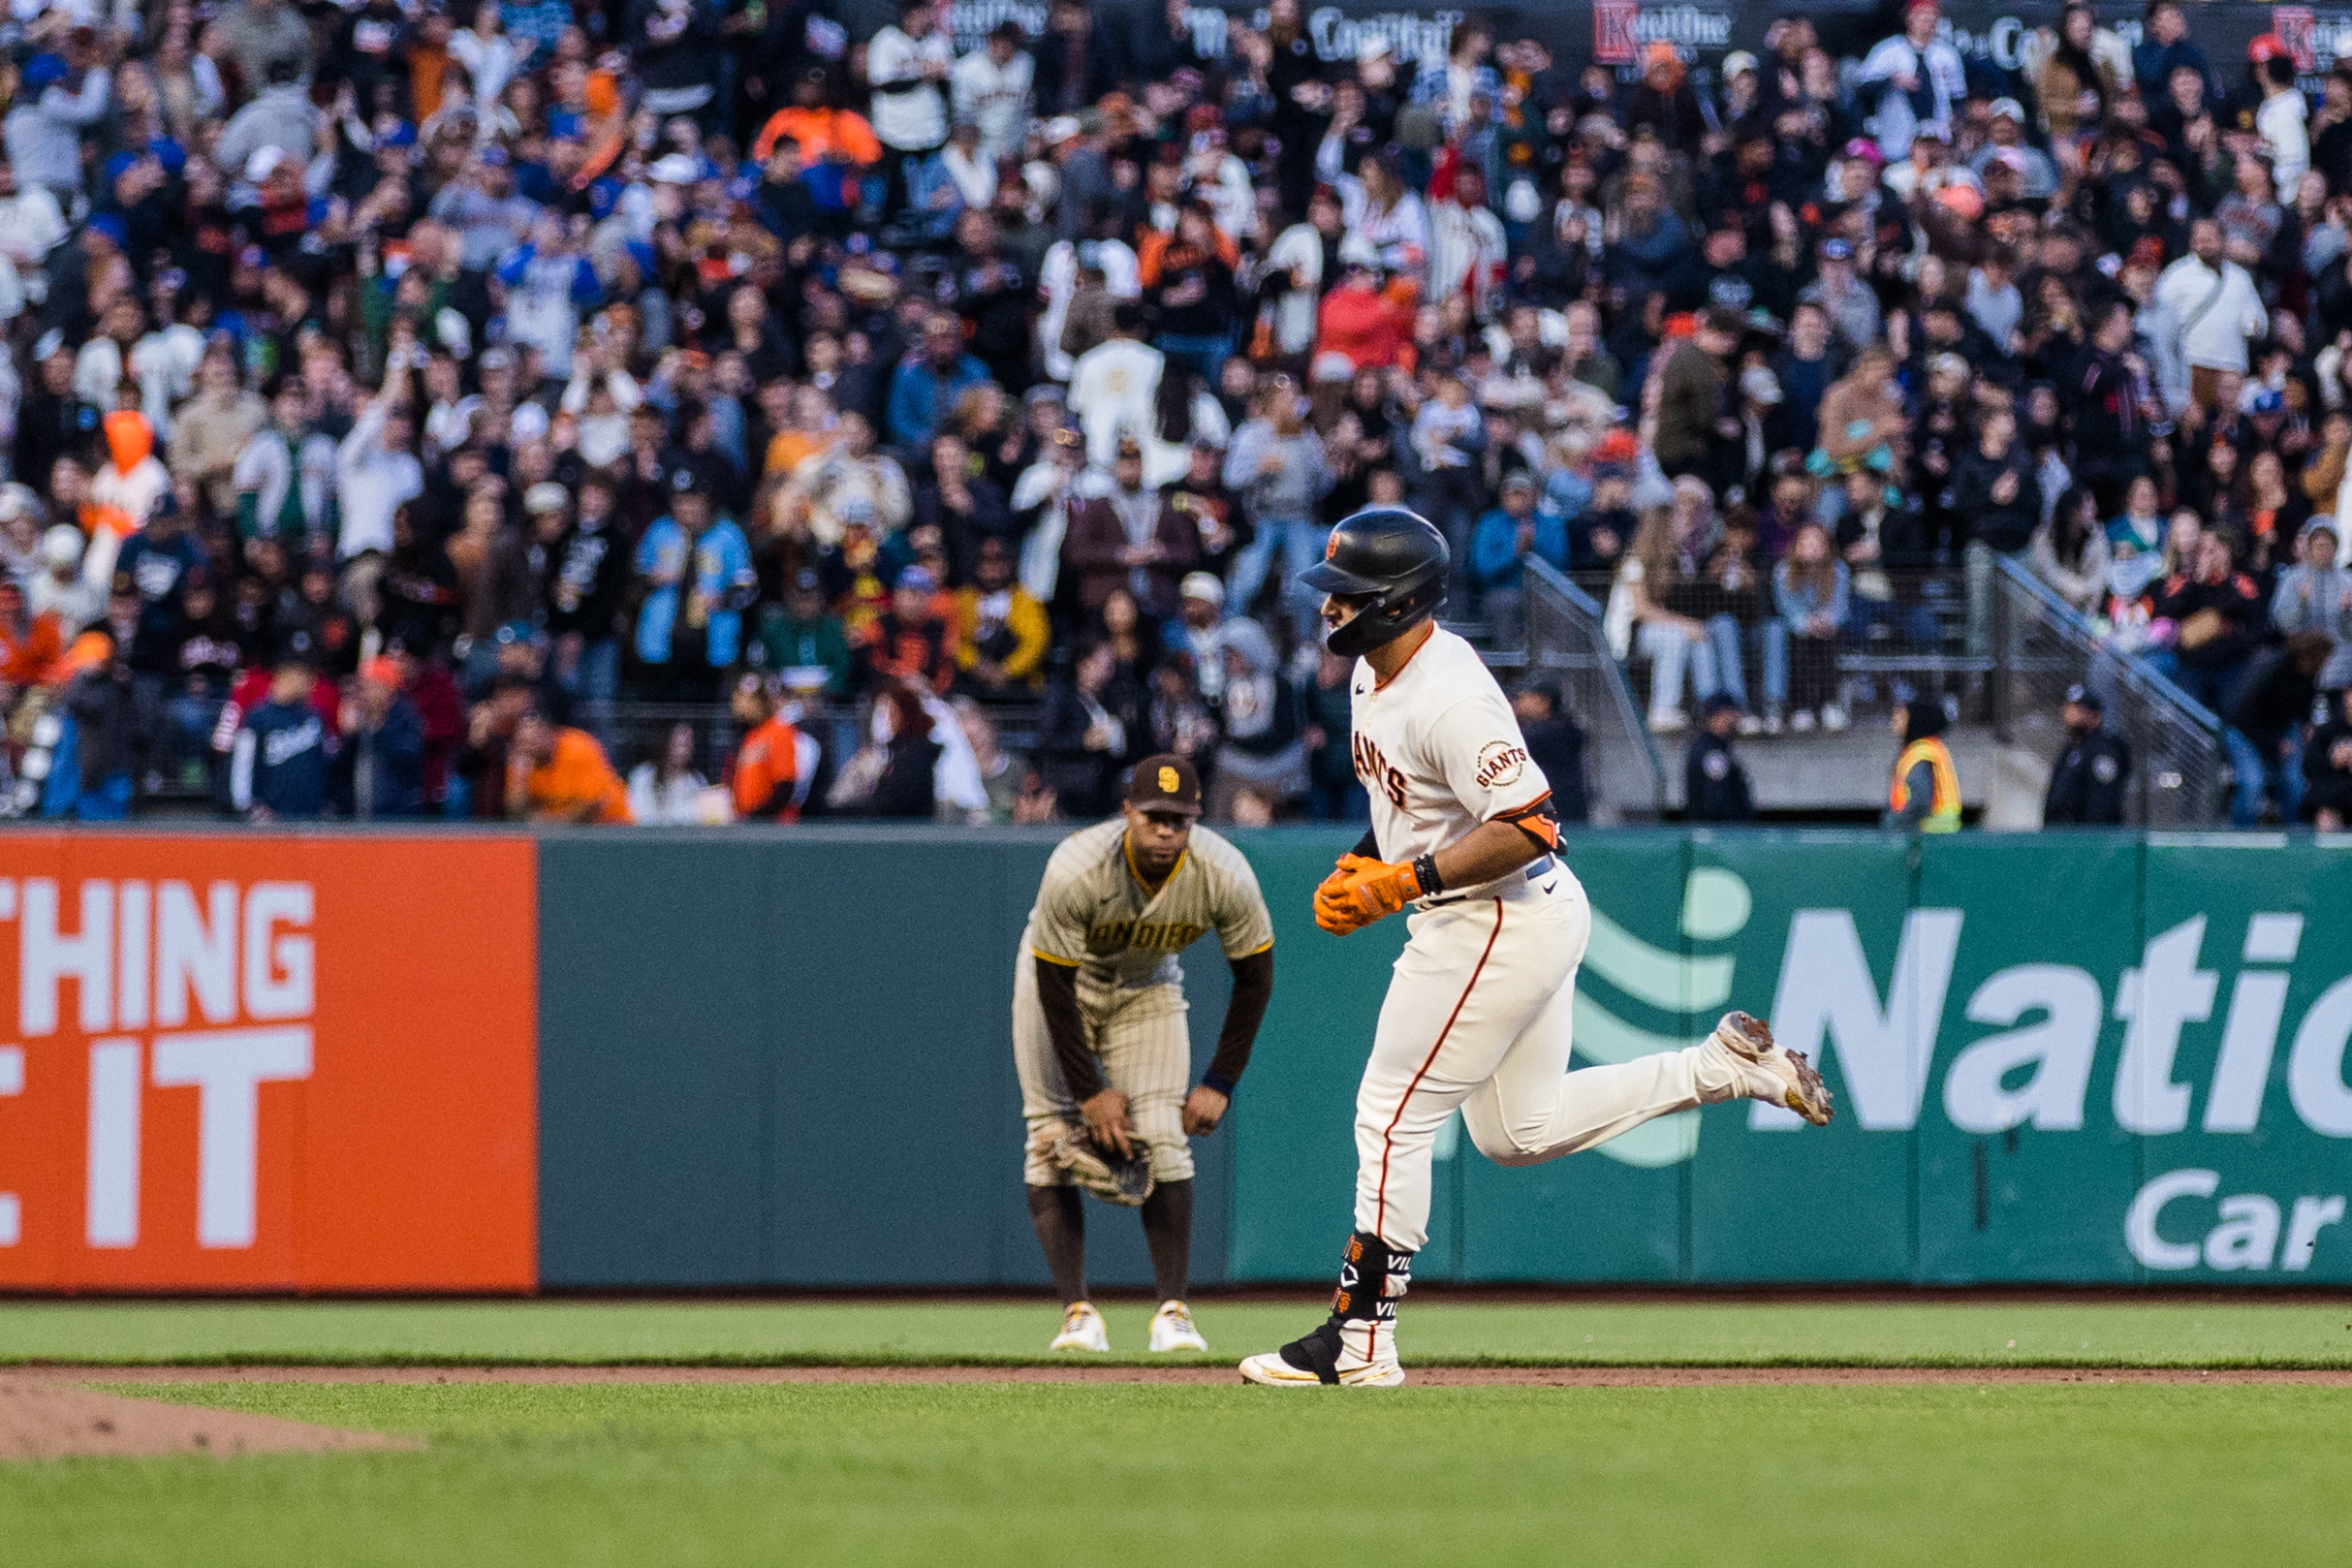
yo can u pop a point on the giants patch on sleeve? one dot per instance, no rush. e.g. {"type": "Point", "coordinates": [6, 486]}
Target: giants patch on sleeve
{"type": "Point", "coordinates": [1500, 764]}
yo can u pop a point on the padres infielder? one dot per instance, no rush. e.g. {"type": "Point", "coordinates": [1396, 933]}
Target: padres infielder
{"type": "Point", "coordinates": [1098, 996]}
{"type": "Point", "coordinates": [1477, 1012]}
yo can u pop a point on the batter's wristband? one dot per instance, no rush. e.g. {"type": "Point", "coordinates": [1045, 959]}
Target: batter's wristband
{"type": "Point", "coordinates": [1425, 871]}
{"type": "Point", "coordinates": [1217, 1082]}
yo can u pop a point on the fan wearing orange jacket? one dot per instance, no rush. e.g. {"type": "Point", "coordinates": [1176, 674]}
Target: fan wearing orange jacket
{"type": "Point", "coordinates": [776, 764]}
{"type": "Point", "coordinates": [556, 774]}
{"type": "Point", "coordinates": [30, 646]}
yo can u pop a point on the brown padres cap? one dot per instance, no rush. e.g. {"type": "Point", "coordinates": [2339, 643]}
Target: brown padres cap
{"type": "Point", "coordinates": [1165, 783]}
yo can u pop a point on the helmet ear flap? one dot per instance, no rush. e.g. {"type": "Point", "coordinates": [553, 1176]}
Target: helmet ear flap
{"type": "Point", "coordinates": [1387, 617]}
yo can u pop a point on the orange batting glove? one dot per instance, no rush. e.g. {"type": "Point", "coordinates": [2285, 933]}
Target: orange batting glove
{"type": "Point", "coordinates": [1331, 912]}
{"type": "Point", "coordinates": [1362, 890]}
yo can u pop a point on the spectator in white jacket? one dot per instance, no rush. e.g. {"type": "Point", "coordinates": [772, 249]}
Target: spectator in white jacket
{"type": "Point", "coordinates": [991, 89]}
{"type": "Point", "coordinates": [2284, 123]}
{"type": "Point", "coordinates": [548, 280]}
{"type": "Point", "coordinates": [1467, 249]}
{"type": "Point", "coordinates": [1294, 266]}
{"type": "Point", "coordinates": [1057, 281]}
{"type": "Point", "coordinates": [31, 223]}
{"type": "Point", "coordinates": [44, 130]}
{"type": "Point", "coordinates": [281, 116]}
{"type": "Point", "coordinates": [376, 471]}
{"type": "Point", "coordinates": [1915, 78]}
{"type": "Point", "coordinates": [1113, 385]}
{"type": "Point", "coordinates": [2216, 307]}
{"type": "Point", "coordinates": [908, 65]}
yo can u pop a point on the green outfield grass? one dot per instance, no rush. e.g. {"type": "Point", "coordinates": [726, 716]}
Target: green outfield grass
{"type": "Point", "coordinates": [1434, 1333]}
{"type": "Point", "coordinates": [1043, 1475]}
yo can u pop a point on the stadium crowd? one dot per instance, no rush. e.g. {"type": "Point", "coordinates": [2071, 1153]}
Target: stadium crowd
{"type": "Point", "coordinates": [395, 392]}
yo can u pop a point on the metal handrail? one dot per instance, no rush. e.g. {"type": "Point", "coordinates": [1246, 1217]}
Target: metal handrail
{"type": "Point", "coordinates": [2079, 629]}
{"type": "Point", "coordinates": [1548, 585]}
{"type": "Point", "coordinates": [2176, 740]}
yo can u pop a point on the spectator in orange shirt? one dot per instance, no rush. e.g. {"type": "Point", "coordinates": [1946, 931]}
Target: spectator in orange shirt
{"type": "Point", "coordinates": [1371, 327]}
{"type": "Point", "coordinates": [911, 641]}
{"type": "Point", "coordinates": [824, 150]}
{"type": "Point", "coordinates": [30, 644]}
{"type": "Point", "coordinates": [821, 131]}
{"type": "Point", "coordinates": [776, 762]}
{"type": "Point", "coordinates": [561, 775]}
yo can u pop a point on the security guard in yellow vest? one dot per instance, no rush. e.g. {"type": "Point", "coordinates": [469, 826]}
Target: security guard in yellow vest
{"type": "Point", "coordinates": [1925, 794]}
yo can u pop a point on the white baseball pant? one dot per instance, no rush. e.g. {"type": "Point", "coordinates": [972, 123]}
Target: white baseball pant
{"type": "Point", "coordinates": [1147, 1055]}
{"type": "Point", "coordinates": [1477, 1018]}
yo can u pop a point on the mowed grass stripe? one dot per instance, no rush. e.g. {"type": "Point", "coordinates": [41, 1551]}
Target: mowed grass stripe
{"type": "Point", "coordinates": [985, 1475]}
{"type": "Point", "coordinates": [2217, 1335]}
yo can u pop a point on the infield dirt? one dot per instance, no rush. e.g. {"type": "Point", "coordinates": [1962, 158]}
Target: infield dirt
{"type": "Point", "coordinates": [44, 1417]}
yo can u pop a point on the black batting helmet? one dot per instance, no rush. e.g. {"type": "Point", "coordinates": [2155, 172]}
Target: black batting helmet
{"type": "Point", "coordinates": [1398, 560]}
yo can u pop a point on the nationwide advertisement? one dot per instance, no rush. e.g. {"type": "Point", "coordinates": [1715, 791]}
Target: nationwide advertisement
{"type": "Point", "coordinates": [2065, 1060]}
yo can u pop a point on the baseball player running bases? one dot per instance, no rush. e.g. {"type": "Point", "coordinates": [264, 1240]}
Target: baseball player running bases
{"type": "Point", "coordinates": [1099, 1036]}
{"type": "Point", "coordinates": [1477, 1015]}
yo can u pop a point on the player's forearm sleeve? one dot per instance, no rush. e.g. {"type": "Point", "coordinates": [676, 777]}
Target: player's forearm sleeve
{"type": "Point", "coordinates": [1253, 987]}
{"type": "Point", "coordinates": [1369, 846]}
{"type": "Point", "coordinates": [1057, 995]}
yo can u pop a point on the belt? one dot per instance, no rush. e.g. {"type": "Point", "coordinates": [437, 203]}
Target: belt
{"type": "Point", "coordinates": [1541, 865]}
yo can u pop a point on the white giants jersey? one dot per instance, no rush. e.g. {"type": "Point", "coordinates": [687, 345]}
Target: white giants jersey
{"type": "Point", "coordinates": [1440, 751]}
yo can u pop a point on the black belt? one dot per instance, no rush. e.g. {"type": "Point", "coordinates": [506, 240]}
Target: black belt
{"type": "Point", "coordinates": [1541, 865]}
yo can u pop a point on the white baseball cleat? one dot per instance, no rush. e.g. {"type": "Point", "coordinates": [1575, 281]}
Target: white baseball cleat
{"type": "Point", "coordinates": [1082, 1329]}
{"type": "Point", "coordinates": [1766, 1072]}
{"type": "Point", "coordinates": [1351, 1355]}
{"type": "Point", "coordinates": [1171, 1328]}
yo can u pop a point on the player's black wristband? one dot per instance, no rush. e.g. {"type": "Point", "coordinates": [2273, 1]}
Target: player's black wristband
{"type": "Point", "coordinates": [1425, 871]}
{"type": "Point", "coordinates": [1214, 1079]}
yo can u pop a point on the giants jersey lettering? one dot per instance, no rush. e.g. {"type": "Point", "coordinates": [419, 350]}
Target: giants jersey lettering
{"type": "Point", "coordinates": [1439, 751]}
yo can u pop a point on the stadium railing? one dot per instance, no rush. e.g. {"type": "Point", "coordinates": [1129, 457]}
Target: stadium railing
{"type": "Point", "coordinates": [2045, 646]}
{"type": "Point", "coordinates": [1566, 646]}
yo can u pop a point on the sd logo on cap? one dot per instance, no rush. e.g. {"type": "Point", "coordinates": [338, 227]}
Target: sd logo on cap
{"type": "Point", "coordinates": [1165, 783]}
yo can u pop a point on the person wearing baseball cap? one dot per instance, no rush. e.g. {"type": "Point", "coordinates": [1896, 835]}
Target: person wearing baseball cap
{"type": "Point", "coordinates": [1099, 1036]}
{"type": "Point", "coordinates": [2087, 781]}
{"type": "Point", "coordinates": [379, 768]}
{"type": "Point", "coordinates": [1165, 783]}
{"type": "Point", "coordinates": [1500, 543]}
{"type": "Point", "coordinates": [2005, 142]}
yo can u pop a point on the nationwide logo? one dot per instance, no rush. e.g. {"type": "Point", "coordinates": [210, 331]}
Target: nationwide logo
{"type": "Point", "coordinates": [2033, 1064]}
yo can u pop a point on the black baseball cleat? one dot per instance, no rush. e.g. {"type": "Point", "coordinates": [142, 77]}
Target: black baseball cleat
{"type": "Point", "coordinates": [1349, 1354]}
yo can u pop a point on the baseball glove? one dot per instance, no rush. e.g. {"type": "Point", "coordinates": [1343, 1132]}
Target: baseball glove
{"type": "Point", "coordinates": [1361, 891]}
{"type": "Point", "coordinates": [1102, 1171]}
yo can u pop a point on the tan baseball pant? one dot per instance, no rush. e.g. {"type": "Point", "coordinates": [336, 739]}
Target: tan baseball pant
{"type": "Point", "coordinates": [1145, 1053]}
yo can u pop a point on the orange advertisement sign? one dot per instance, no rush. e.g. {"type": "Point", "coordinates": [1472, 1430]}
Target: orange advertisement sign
{"type": "Point", "coordinates": [264, 1062]}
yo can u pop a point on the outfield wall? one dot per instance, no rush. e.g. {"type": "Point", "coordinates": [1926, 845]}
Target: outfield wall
{"type": "Point", "coordinates": [707, 1059]}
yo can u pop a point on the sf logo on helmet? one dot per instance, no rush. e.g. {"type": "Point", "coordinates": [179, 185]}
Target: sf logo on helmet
{"type": "Point", "coordinates": [1331, 546]}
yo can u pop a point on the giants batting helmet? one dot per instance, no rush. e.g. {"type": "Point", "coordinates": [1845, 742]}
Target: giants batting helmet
{"type": "Point", "coordinates": [1395, 557]}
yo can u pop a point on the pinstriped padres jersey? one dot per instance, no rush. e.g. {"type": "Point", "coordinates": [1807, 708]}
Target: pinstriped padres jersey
{"type": "Point", "coordinates": [1093, 913]}
{"type": "Point", "coordinates": [1439, 751]}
